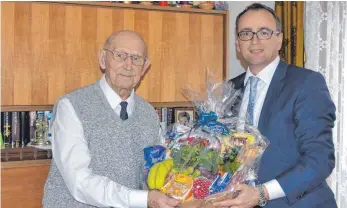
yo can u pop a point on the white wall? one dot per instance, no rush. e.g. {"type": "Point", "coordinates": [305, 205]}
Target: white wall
{"type": "Point", "coordinates": [235, 7]}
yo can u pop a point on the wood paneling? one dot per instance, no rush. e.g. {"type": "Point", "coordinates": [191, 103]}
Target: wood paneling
{"type": "Point", "coordinates": [147, 7]}
{"type": "Point", "coordinates": [23, 187]}
{"type": "Point", "coordinates": [6, 108]}
{"type": "Point", "coordinates": [49, 49]}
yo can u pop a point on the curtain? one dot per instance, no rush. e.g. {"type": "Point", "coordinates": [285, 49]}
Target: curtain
{"type": "Point", "coordinates": [291, 16]}
{"type": "Point", "coordinates": [326, 50]}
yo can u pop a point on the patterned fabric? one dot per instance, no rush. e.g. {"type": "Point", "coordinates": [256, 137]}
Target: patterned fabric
{"type": "Point", "coordinates": [115, 146]}
{"type": "Point", "coordinates": [326, 48]}
{"type": "Point", "coordinates": [252, 96]}
{"type": "Point", "coordinates": [123, 111]}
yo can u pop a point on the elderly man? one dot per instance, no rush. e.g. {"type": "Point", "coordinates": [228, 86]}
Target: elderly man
{"type": "Point", "coordinates": [292, 107]}
{"type": "Point", "coordinates": [99, 132]}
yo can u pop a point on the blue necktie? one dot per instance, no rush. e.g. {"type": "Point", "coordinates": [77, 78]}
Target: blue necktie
{"type": "Point", "coordinates": [252, 95]}
{"type": "Point", "coordinates": [123, 111]}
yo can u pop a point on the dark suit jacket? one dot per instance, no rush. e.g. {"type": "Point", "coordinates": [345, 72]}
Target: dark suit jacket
{"type": "Point", "coordinates": [297, 118]}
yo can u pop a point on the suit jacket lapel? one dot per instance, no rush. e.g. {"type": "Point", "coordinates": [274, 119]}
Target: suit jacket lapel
{"type": "Point", "coordinates": [273, 92]}
{"type": "Point", "coordinates": [238, 84]}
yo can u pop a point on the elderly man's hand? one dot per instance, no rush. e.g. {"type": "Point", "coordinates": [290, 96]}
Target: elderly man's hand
{"type": "Point", "coordinates": [160, 200]}
{"type": "Point", "coordinates": [248, 198]}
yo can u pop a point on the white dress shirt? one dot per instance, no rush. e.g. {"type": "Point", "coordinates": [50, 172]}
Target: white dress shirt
{"type": "Point", "coordinates": [273, 187]}
{"type": "Point", "coordinates": [71, 155]}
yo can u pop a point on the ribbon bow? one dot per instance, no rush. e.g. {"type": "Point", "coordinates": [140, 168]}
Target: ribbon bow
{"type": "Point", "coordinates": [209, 123]}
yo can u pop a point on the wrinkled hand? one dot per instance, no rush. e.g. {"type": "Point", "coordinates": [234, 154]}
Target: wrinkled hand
{"type": "Point", "coordinates": [248, 198]}
{"type": "Point", "coordinates": [160, 200]}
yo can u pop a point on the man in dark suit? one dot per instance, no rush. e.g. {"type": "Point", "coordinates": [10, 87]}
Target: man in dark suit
{"type": "Point", "coordinates": [292, 108]}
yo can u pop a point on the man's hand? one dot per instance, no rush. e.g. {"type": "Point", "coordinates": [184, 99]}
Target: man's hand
{"type": "Point", "coordinates": [160, 200]}
{"type": "Point", "coordinates": [248, 198]}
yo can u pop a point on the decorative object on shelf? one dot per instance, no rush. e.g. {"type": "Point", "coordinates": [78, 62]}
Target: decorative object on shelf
{"type": "Point", "coordinates": [174, 4]}
{"type": "Point", "coordinates": [184, 115]}
{"type": "Point", "coordinates": [126, 2]}
{"type": "Point", "coordinates": [148, 3]}
{"type": "Point", "coordinates": [163, 3]}
{"type": "Point", "coordinates": [186, 4]}
{"type": "Point", "coordinates": [221, 5]}
{"type": "Point", "coordinates": [196, 4]}
{"type": "Point", "coordinates": [208, 5]}
{"type": "Point", "coordinates": [41, 132]}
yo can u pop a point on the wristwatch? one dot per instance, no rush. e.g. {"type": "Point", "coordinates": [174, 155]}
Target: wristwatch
{"type": "Point", "coordinates": [262, 200]}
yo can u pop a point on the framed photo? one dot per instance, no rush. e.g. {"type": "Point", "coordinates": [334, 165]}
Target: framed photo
{"type": "Point", "coordinates": [184, 115]}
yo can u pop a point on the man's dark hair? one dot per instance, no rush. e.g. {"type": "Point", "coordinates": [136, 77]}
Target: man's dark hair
{"type": "Point", "coordinates": [257, 7]}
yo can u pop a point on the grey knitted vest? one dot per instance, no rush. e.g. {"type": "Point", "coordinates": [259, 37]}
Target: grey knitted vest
{"type": "Point", "coordinates": [116, 146]}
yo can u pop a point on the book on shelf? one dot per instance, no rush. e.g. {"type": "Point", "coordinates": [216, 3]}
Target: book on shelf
{"type": "Point", "coordinates": [7, 128]}
{"type": "Point", "coordinates": [24, 128]}
{"type": "Point", "coordinates": [32, 119]}
{"type": "Point", "coordinates": [18, 131]}
{"type": "Point", "coordinates": [15, 129]}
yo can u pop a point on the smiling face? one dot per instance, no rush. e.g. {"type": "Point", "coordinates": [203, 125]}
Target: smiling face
{"type": "Point", "coordinates": [258, 53]}
{"type": "Point", "coordinates": [123, 76]}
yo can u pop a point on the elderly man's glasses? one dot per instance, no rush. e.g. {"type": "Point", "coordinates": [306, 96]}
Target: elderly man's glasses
{"type": "Point", "coordinates": [263, 34]}
{"type": "Point", "coordinates": [122, 56]}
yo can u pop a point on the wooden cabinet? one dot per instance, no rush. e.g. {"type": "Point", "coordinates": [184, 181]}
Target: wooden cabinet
{"type": "Point", "coordinates": [50, 48]}
{"type": "Point", "coordinates": [22, 183]}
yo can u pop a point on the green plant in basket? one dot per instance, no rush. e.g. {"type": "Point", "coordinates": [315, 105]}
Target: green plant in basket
{"type": "Point", "coordinates": [190, 159]}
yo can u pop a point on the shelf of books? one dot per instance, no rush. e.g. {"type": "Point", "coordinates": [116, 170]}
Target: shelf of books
{"type": "Point", "coordinates": [19, 126]}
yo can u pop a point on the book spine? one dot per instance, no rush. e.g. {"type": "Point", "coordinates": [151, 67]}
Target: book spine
{"type": "Point", "coordinates": [163, 122]}
{"type": "Point", "coordinates": [7, 126]}
{"type": "Point", "coordinates": [159, 114]}
{"type": "Point", "coordinates": [32, 119]}
{"type": "Point", "coordinates": [170, 116]}
{"type": "Point", "coordinates": [48, 117]}
{"type": "Point", "coordinates": [2, 122]}
{"type": "Point", "coordinates": [15, 130]}
{"type": "Point", "coordinates": [24, 128]}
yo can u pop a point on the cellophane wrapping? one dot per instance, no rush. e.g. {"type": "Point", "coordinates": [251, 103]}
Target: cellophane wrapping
{"type": "Point", "coordinates": [201, 161]}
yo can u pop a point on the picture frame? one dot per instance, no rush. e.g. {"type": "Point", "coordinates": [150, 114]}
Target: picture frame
{"type": "Point", "coordinates": [188, 113]}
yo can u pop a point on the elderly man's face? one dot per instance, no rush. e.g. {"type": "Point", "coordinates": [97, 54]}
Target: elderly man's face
{"type": "Point", "coordinates": [123, 74]}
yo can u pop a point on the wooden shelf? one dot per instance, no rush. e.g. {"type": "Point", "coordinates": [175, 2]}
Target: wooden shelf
{"type": "Point", "coordinates": [10, 108]}
{"type": "Point", "coordinates": [7, 108]}
{"type": "Point", "coordinates": [25, 163]}
{"type": "Point", "coordinates": [171, 104]}
{"type": "Point", "coordinates": [140, 6]}
{"type": "Point", "coordinates": [23, 154]}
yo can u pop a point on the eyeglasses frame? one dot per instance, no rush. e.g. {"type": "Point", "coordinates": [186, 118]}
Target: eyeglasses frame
{"type": "Point", "coordinates": [128, 55]}
{"type": "Point", "coordinates": [256, 33]}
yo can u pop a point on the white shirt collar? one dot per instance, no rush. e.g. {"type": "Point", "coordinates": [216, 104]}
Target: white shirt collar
{"type": "Point", "coordinates": [266, 74]}
{"type": "Point", "coordinates": [113, 98]}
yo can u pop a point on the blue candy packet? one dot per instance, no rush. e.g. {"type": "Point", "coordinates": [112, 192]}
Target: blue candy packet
{"type": "Point", "coordinates": [152, 155]}
{"type": "Point", "coordinates": [220, 183]}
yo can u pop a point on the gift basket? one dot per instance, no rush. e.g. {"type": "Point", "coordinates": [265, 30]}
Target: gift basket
{"type": "Point", "coordinates": [202, 161]}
